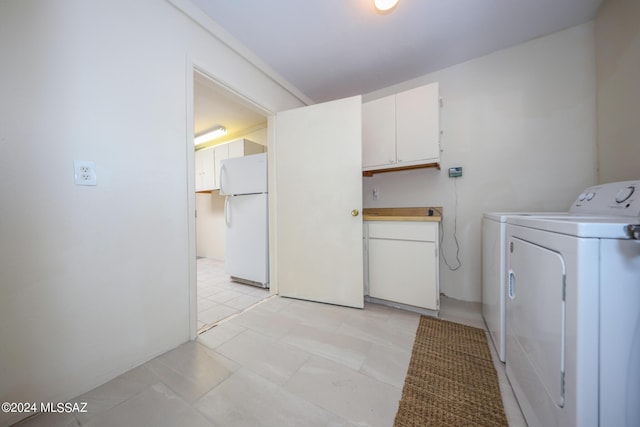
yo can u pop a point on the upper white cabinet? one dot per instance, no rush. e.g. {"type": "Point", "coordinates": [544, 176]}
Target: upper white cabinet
{"type": "Point", "coordinates": [379, 133]}
{"type": "Point", "coordinates": [205, 170]}
{"type": "Point", "coordinates": [402, 130]}
{"type": "Point", "coordinates": [208, 161]}
{"type": "Point", "coordinates": [220, 152]}
{"type": "Point", "coordinates": [244, 147]}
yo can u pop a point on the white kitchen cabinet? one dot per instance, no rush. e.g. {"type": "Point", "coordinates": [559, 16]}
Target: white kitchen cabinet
{"type": "Point", "coordinates": [221, 152]}
{"type": "Point", "coordinates": [244, 147]}
{"type": "Point", "coordinates": [402, 262]}
{"type": "Point", "coordinates": [402, 130]}
{"type": "Point", "coordinates": [235, 148]}
{"type": "Point", "coordinates": [379, 133]}
{"type": "Point", "coordinates": [205, 170]}
{"type": "Point", "coordinates": [208, 161]}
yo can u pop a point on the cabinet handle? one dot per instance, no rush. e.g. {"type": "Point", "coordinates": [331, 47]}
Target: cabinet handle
{"type": "Point", "coordinates": [355, 212]}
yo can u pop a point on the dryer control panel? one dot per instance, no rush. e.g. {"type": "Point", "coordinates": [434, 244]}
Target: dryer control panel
{"type": "Point", "coordinates": [615, 199]}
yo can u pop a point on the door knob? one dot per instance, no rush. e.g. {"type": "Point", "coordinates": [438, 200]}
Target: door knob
{"type": "Point", "coordinates": [355, 212]}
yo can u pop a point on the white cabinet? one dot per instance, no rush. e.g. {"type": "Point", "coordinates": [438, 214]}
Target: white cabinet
{"type": "Point", "coordinates": [402, 130]}
{"type": "Point", "coordinates": [379, 133]}
{"type": "Point", "coordinates": [205, 170]}
{"type": "Point", "coordinates": [208, 161]}
{"type": "Point", "coordinates": [418, 125]}
{"type": "Point", "coordinates": [235, 148]}
{"type": "Point", "coordinates": [244, 147]}
{"type": "Point", "coordinates": [402, 262]}
{"type": "Point", "coordinates": [221, 152]}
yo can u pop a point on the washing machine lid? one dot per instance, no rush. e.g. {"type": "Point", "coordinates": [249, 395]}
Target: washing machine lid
{"type": "Point", "coordinates": [601, 227]}
{"type": "Point", "coordinates": [503, 216]}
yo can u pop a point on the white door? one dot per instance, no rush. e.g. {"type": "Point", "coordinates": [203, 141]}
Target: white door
{"type": "Point", "coordinates": [536, 322]}
{"type": "Point", "coordinates": [318, 201]}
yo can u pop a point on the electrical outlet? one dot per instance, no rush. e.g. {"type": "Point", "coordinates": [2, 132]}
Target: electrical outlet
{"type": "Point", "coordinates": [85, 172]}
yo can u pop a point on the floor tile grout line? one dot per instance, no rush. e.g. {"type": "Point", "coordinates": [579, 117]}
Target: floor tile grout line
{"type": "Point", "coordinates": [232, 316]}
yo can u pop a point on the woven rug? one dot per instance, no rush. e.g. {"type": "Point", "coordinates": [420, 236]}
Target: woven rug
{"type": "Point", "coordinates": [451, 379]}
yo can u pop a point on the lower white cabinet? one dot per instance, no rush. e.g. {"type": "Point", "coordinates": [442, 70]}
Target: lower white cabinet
{"type": "Point", "coordinates": [402, 262]}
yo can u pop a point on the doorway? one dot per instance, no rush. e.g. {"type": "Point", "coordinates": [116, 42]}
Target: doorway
{"type": "Point", "coordinates": [304, 149]}
{"type": "Point", "coordinates": [216, 296]}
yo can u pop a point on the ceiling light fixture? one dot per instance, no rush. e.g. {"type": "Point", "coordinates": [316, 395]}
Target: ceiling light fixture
{"type": "Point", "coordinates": [385, 6]}
{"type": "Point", "coordinates": [216, 132]}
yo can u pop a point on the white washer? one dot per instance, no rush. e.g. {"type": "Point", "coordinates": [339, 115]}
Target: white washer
{"type": "Point", "coordinates": [494, 273]}
{"type": "Point", "coordinates": [573, 311]}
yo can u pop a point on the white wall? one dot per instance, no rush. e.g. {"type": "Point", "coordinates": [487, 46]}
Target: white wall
{"type": "Point", "coordinates": [94, 280]}
{"type": "Point", "coordinates": [618, 82]}
{"type": "Point", "coordinates": [521, 123]}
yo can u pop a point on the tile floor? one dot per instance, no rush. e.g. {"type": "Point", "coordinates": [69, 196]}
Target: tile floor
{"type": "Point", "coordinates": [282, 362]}
{"type": "Point", "coordinates": [219, 297]}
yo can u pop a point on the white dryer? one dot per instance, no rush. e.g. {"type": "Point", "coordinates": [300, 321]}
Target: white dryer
{"type": "Point", "coordinates": [494, 273]}
{"type": "Point", "coordinates": [573, 311]}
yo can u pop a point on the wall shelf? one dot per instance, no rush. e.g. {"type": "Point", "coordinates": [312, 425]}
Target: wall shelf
{"type": "Point", "coordinates": [401, 168]}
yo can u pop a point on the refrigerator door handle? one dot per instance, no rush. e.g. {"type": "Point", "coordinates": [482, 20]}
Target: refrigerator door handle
{"type": "Point", "coordinates": [227, 211]}
{"type": "Point", "coordinates": [222, 174]}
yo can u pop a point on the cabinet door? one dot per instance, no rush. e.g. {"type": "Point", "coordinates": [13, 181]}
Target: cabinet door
{"type": "Point", "coordinates": [418, 125]}
{"type": "Point", "coordinates": [379, 132]}
{"type": "Point", "coordinates": [236, 148]}
{"type": "Point", "coordinates": [244, 147]}
{"type": "Point", "coordinates": [404, 271]}
{"type": "Point", "coordinates": [204, 170]}
{"type": "Point", "coordinates": [221, 152]}
{"type": "Point", "coordinates": [198, 167]}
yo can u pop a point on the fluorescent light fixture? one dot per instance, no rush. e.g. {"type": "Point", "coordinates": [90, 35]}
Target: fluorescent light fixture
{"type": "Point", "coordinates": [216, 132]}
{"type": "Point", "coordinates": [384, 6]}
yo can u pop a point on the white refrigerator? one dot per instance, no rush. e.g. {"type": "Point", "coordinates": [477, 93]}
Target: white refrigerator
{"type": "Point", "coordinates": [244, 181]}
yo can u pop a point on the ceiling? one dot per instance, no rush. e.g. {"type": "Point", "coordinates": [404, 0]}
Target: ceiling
{"type": "Point", "coordinates": [215, 106]}
{"type": "Point", "coordinates": [331, 49]}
